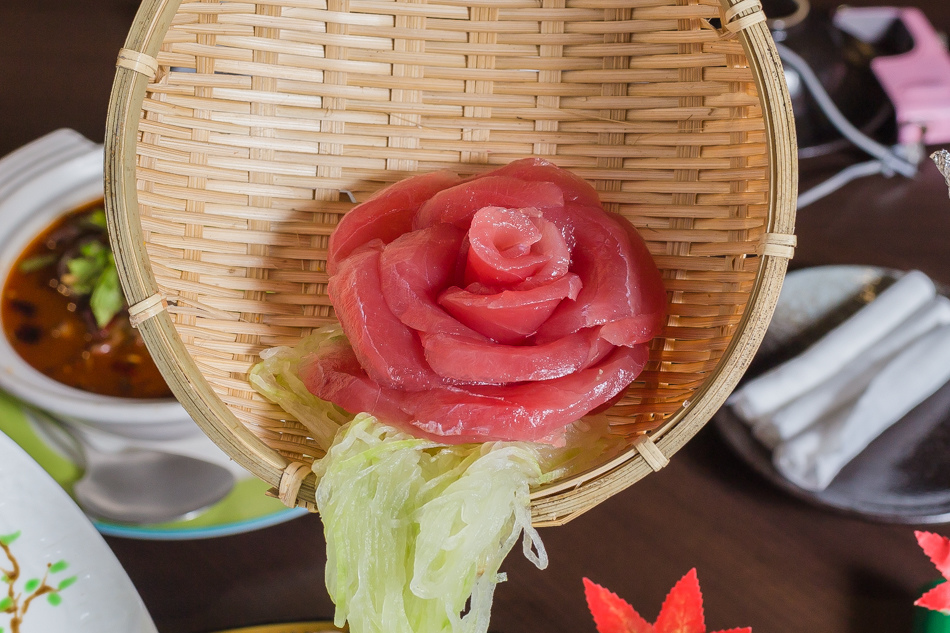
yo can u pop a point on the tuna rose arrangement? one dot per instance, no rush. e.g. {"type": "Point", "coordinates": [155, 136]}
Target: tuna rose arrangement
{"type": "Point", "coordinates": [479, 319]}
{"type": "Point", "coordinates": [503, 307]}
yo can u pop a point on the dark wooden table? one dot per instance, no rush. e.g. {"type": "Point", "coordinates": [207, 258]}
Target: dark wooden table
{"type": "Point", "coordinates": [764, 559]}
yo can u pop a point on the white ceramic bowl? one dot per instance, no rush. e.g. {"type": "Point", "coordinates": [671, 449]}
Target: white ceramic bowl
{"type": "Point", "coordinates": [29, 205]}
{"type": "Point", "coordinates": [50, 537]}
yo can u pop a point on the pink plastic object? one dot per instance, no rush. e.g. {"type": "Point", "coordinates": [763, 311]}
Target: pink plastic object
{"type": "Point", "coordinates": [918, 81]}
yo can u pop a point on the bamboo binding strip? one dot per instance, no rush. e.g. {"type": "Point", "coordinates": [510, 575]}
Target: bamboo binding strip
{"type": "Point", "coordinates": [240, 132]}
{"type": "Point", "coordinates": [139, 62]}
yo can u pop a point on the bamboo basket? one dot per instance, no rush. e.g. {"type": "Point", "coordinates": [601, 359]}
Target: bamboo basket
{"type": "Point", "coordinates": [234, 127]}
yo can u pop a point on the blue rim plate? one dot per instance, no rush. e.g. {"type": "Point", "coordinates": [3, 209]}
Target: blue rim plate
{"type": "Point", "coordinates": [245, 509]}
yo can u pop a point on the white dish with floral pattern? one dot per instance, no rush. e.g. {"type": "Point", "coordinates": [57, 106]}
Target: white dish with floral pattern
{"type": "Point", "coordinates": [57, 574]}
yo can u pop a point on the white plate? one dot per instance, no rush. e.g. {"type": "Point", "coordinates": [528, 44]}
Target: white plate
{"type": "Point", "coordinates": [51, 540]}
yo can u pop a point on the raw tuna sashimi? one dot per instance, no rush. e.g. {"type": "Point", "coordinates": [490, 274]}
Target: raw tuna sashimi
{"type": "Point", "coordinates": [515, 248]}
{"type": "Point", "coordinates": [509, 316]}
{"type": "Point", "coordinates": [503, 307]}
{"type": "Point", "coordinates": [574, 188]}
{"type": "Point", "coordinates": [414, 269]}
{"type": "Point", "coordinates": [335, 375]}
{"type": "Point", "coordinates": [491, 363]}
{"type": "Point", "coordinates": [529, 411]}
{"type": "Point", "coordinates": [386, 215]}
{"type": "Point", "coordinates": [621, 284]}
{"type": "Point", "coordinates": [387, 348]}
{"type": "Point", "coordinates": [457, 205]}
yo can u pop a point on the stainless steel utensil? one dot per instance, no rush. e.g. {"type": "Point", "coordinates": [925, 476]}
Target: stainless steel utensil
{"type": "Point", "coordinates": [136, 485]}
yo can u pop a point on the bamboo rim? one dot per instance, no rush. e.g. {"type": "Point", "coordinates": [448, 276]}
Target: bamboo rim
{"type": "Point", "coordinates": [553, 504]}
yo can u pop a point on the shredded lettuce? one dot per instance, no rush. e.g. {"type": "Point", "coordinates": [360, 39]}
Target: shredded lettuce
{"type": "Point", "coordinates": [277, 378]}
{"type": "Point", "coordinates": [416, 531]}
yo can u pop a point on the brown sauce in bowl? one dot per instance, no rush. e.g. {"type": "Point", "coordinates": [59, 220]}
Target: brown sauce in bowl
{"type": "Point", "coordinates": [54, 330]}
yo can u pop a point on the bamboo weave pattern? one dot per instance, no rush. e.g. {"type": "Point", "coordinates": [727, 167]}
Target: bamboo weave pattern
{"type": "Point", "coordinates": [265, 119]}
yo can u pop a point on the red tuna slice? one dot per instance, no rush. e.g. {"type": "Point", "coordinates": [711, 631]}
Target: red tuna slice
{"type": "Point", "coordinates": [533, 412]}
{"type": "Point", "coordinates": [575, 188]}
{"type": "Point", "coordinates": [509, 316]}
{"type": "Point", "coordinates": [492, 363]}
{"type": "Point", "coordinates": [653, 301]}
{"type": "Point", "coordinates": [388, 350]}
{"type": "Point", "coordinates": [633, 330]}
{"type": "Point", "coordinates": [509, 246]}
{"type": "Point", "coordinates": [458, 204]}
{"type": "Point", "coordinates": [386, 215]}
{"type": "Point", "coordinates": [500, 246]}
{"type": "Point", "coordinates": [413, 270]}
{"type": "Point", "coordinates": [554, 246]}
{"type": "Point", "coordinates": [621, 281]}
{"type": "Point", "coordinates": [335, 375]}
{"type": "Point", "coordinates": [459, 417]}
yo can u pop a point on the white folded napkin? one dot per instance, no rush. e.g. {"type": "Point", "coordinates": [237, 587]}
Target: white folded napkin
{"type": "Point", "coordinates": [851, 380]}
{"type": "Point", "coordinates": [828, 356]}
{"type": "Point", "coordinates": [815, 456]}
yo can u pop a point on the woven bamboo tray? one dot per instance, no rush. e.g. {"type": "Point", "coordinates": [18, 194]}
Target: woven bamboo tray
{"type": "Point", "coordinates": [235, 126]}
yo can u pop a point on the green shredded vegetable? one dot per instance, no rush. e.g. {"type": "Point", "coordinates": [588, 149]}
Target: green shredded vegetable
{"type": "Point", "coordinates": [416, 531]}
{"type": "Point", "coordinates": [277, 378]}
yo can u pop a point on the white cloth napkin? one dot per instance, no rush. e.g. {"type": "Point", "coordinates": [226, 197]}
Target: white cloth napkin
{"type": "Point", "coordinates": [815, 456]}
{"type": "Point", "coordinates": [851, 380]}
{"type": "Point", "coordinates": [823, 360]}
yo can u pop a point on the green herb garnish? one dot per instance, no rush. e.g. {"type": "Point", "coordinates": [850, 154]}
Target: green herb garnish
{"type": "Point", "coordinates": [86, 269]}
{"type": "Point", "coordinates": [37, 262]}
{"type": "Point", "coordinates": [94, 273]}
{"type": "Point", "coordinates": [96, 218]}
{"type": "Point", "coordinates": [107, 300]}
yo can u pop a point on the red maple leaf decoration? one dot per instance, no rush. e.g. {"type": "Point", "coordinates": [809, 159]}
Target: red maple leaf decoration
{"type": "Point", "coordinates": [938, 549]}
{"type": "Point", "coordinates": [682, 611]}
